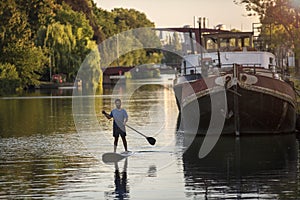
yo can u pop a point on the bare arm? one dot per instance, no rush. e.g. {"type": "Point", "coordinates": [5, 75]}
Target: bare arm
{"type": "Point", "coordinates": [125, 121]}
{"type": "Point", "coordinates": [106, 115]}
{"type": "Point", "coordinates": [125, 118]}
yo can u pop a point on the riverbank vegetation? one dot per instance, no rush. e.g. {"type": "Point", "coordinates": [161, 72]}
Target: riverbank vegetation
{"type": "Point", "coordinates": [42, 38]}
{"type": "Point", "coordinates": [279, 26]}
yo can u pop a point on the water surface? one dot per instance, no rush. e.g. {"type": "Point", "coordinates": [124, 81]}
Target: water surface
{"type": "Point", "coordinates": [44, 156]}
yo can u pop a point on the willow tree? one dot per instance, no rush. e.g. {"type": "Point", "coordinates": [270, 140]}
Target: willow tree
{"type": "Point", "coordinates": [280, 21]}
{"type": "Point", "coordinates": [68, 41]}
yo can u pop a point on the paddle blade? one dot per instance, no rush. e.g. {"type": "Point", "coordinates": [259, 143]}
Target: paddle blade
{"type": "Point", "coordinates": [151, 140]}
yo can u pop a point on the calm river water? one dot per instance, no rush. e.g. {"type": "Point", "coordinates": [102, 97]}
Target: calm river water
{"type": "Point", "coordinates": [50, 150]}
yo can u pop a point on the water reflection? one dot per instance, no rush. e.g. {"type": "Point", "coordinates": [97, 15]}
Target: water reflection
{"type": "Point", "coordinates": [121, 190]}
{"type": "Point", "coordinates": [36, 114]}
{"type": "Point", "coordinates": [43, 166]}
{"type": "Point", "coordinates": [249, 167]}
{"type": "Point", "coordinates": [43, 157]}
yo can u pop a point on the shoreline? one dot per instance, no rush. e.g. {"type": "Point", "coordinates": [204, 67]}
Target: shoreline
{"type": "Point", "coordinates": [51, 85]}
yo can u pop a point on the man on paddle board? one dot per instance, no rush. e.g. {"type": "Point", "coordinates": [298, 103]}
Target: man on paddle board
{"type": "Point", "coordinates": [120, 119]}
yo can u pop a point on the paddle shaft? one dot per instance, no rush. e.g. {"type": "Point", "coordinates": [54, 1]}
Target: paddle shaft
{"type": "Point", "coordinates": [103, 112]}
{"type": "Point", "coordinates": [151, 140]}
{"type": "Point", "coordinates": [136, 131]}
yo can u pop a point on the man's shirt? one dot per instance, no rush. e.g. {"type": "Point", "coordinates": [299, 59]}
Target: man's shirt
{"type": "Point", "coordinates": [119, 117]}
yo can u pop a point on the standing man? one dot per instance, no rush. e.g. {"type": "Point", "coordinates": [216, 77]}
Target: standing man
{"type": "Point", "coordinates": [120, 118]}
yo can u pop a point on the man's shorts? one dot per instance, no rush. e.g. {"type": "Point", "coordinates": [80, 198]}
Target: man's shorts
{"type": "Point", "coordinates": [118, 132]}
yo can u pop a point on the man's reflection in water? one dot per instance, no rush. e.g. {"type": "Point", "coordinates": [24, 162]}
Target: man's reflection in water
{"type": "Point", "coordinates": [152, 171]}
{"type": "Point", "coordinates": [121, 190]}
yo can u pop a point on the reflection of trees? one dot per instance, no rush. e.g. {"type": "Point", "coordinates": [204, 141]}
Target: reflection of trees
{"type": "Point", "coordinates": [37, 115]}
{"type": "Point", "coordinates": [245, 166]}
{"type": "Point", "coordinates": [143, 99]}
{"type": "Point", "coordinates": [140, 104]}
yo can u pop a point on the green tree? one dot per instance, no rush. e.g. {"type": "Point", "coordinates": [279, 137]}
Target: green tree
{"type": "Point", "coordinates": [9, 78]}
{"type": "Point", "coordinates": [105, 22]}
{"type": "Point", "coordinates": [39, 13]}
{"type": "Point", "coordinates": [90, 10]}
{"type": "Point", "coordinates": [173, 50]}
{"type": "Point", "coordinates": [16, 45]}
{"type": "Point", "coordinates": [90, 72]}
{"type": "Point", "coordinates": [36, 36]}
{"type": "Point", "coordinates": [121, 48]}
{"type": "Point", "coordinates": [126, 19]}
{"type": "Point", "coordinates": [130, 21]}
{"type": "Point", "coordinates": [83, 34]}
{"type": "Point", "coordinates": [29, 62]}
{"type": "Point", "coordinates": [68, 41]}
{"type": "Point", "coordinates": [61, 42]}
{"type": "Point", "coordinates": [280, 23]}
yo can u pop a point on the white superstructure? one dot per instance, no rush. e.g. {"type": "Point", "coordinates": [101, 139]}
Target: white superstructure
{"type": "Point", "coordinates": [192, 63]}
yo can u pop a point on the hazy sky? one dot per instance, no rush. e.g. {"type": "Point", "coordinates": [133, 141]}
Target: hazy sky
{"type": "Point", "coordinates": [177, 13]}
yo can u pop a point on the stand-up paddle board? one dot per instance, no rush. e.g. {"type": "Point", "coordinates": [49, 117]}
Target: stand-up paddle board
{"type": "Point", "coordinates": [115, 157]}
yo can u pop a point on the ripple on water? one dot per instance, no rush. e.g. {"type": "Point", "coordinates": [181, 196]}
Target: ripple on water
{"type": "Point", "coordinates": [43, 166]}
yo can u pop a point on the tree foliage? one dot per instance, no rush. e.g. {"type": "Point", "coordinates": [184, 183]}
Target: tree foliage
{"type": "Point", "coordinates": [39, 13]}
{"type": "Point", "coordinates": [173, 51]}
{"type": "Point", "coordinates": [280, 23]}
{"type": "Point", "coordinates": [38, 38]}
{"type": "Point", "coordinates": [68, 41]}
{"type": "Point", "coordinates": [9, 78]}
{"type": "Point", "coordinates": [128, 22]}
{"type": "Point", "coordinates": [16, 45]}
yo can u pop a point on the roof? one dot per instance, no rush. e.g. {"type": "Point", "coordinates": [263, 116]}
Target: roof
{"type": "Point", "coordinates": [116, 70]}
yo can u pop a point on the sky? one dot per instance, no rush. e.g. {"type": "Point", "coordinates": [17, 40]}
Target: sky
{"type": "Point", "coordinates": [177, 13]}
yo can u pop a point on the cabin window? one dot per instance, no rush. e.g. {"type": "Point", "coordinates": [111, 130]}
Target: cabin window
{"type": "Point", "coordinates": [271, 60]}
{"type": "Point", "coordinates": [211, 45]}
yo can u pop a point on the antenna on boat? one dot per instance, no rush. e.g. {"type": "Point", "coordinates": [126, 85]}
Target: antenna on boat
{"type": "Point", "coordinates": [192, 42]}
{"type": "Point", "coordinates": [200, 38]}
{"type": "Point", "coordinates": [200, 29]}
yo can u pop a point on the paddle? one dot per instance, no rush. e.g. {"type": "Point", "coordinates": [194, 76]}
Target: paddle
{"type": "Point", "coordinates": [151, 140]}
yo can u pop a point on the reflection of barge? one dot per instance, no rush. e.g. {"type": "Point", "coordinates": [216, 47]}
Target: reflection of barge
{"type": "Point", "coordinates": [242, 86]}
{"type": "Point", "coordinates": [245, 167]}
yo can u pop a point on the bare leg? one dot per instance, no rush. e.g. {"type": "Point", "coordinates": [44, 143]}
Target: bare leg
{"type": "Point", "coordinates": [116, 144]}
{"type": "Point", "coordinates": [124, 142]}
